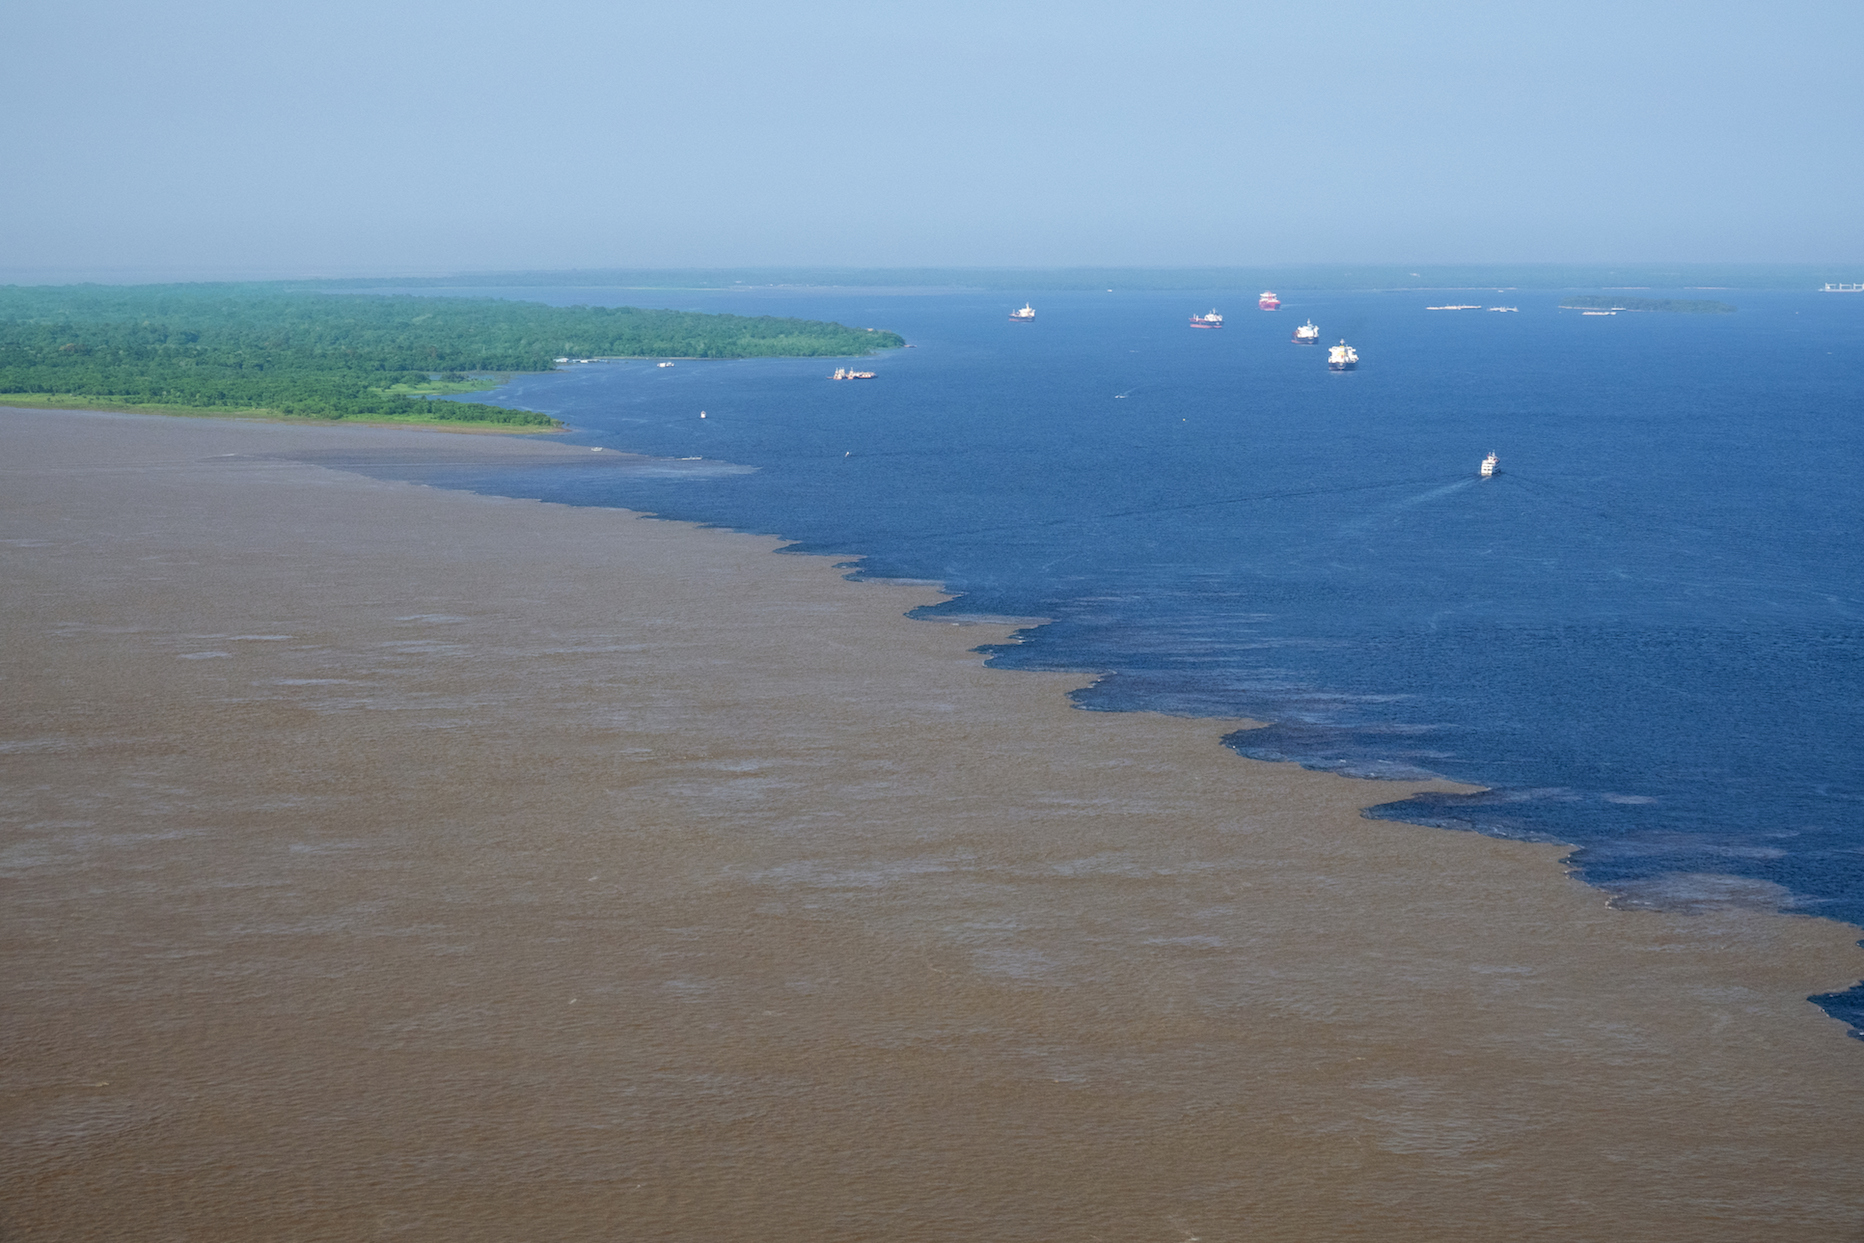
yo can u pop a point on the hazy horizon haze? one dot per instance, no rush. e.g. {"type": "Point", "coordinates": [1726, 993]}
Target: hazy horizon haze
{"type": "Point", "coordinates": [204, 140]}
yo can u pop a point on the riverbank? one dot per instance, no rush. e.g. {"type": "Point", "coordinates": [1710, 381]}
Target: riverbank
{"type": "Point", "coordinates": [54, 401]}
{"type": "Point", "coordinates": [388, 857]}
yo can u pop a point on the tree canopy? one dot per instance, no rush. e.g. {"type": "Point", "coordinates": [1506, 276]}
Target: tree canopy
{"type": "Point", "coordinates": [266, 347]}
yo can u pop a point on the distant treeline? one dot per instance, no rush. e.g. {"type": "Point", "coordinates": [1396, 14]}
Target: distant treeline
{"type": "Point", "coordinates": [1683, 306]}
{"type": "Point", "coordinates": [1284, 277]}
{"type": "Point", "coordinates": [263, 347]}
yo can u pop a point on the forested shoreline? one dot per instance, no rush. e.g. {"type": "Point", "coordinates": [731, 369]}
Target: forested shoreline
{"type": "Point", "coordinates": [295, 353]}
{"type": "Point", "coordinates": [1682, 306]}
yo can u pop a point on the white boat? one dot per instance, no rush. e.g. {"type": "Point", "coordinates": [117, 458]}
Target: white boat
{"type": "Point", "coordinates": [1307, 334]}
{"type": "Point", "coordinates": [1488, 465]}
{"type": "Point", "coordinates": [1452, 308]}
{"type": "Point", "coordinates": [1212, 320]}
{"type": "Point", "coordinates": [1025, 316]}
{"type": "Point", "coordinates": [1504, 308]}
{"type": "Point", "coordinates": [1842, 287]}
{"type": "Point", "coordinates": [1598, 312]}
{"type": "Point", "coordinates": [1342, 357]}
{"type": "Point", "coordinates": [663, 364]}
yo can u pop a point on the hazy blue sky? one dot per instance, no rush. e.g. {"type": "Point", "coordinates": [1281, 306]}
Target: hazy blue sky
{"type": "Point", "coordinates": [205, 138]}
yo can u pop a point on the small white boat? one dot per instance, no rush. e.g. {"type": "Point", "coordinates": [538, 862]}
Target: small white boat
{"type": "Point", "coordinates": [1025, 316]}
{"type": "Point", "coordinates": [1488, 465]}
{"type": "Point", "coordinates": [663, 364]}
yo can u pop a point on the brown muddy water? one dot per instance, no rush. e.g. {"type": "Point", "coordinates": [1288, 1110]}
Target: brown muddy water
{"type": "Point", "coordinates": [381, 862]}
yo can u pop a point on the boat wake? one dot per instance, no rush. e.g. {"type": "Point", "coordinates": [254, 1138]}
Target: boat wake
{"type": "Point", "coordinates": [1410, 502]}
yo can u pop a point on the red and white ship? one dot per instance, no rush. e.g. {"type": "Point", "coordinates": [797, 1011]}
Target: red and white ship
{"type": "Point", "coordinates": [1212, 320]}
{"type": "Point", "coordinates": [1268, 301]}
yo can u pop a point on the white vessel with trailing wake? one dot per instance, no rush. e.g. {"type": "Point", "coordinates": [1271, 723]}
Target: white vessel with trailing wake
{"type": "Point", "coordinates": [1025, 316]}
{"type": "Point", "coordinates": [1342, 357]}
{"type": "Point", "coordinates": [1488, 465]}
{"type": "Point", "coordinates": [1307, 334]}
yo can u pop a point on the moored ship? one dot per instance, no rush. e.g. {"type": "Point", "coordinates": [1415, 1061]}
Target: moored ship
{"type": "Point", "coordinates": [1268, 301]}
{"type": "Point", "coordinates": [1212, 320]}
{"type": "Point", "coordinates": [1025, 316]}
{"type": "Point", "coordinates": [847, 373]}
{"type": "Point", "coordinates": [1342, 357]}
{"type": "Point", "coordinates": [1307, 334]}
{"type": "Point", "coordinates": [1488, 464]}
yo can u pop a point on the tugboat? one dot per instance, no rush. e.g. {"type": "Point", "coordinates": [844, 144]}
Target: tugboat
{"type": "Point", "coordinates": [1342, 357]}
{"type": "Point", "coordinates": [1212, 320]}
{"type": "Point", "coordinates": [1488, 465]}
{"type": "Point", "coordinates": [1307, 334]}
{"type": "Point", "coordinates": [1025, 316]}
{"type": "Point", "coordinates": [1268, 301]}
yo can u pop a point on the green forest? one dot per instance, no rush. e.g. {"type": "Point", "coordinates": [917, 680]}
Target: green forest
{"type": "Point", "coordinates": [274, 349]}
{"type": "Point", "coordinates": [1685, 306]}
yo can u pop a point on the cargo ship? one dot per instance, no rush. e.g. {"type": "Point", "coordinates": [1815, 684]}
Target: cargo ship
{"type": "Point", "coordinates": [1025, 316]}
{"type": "Point", "coordinates": [1268, 301]}
{"type": "Point", "coordinates": [1307, 334]}
{"type": "Point", "coordinates": [1212, 320]}
{"type": "Point", "coordinates": [1488, 465]}
{"type": "Point", "coordinates": [1342, 357]}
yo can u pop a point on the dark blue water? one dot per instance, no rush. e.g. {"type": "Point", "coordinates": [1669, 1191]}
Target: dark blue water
{"type": "Point", "coordinates": [1644, 635]}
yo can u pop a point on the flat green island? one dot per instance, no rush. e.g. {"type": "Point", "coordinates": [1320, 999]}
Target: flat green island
{"type": "Point", "coordinates": [271, 351]}
{"type": "Point", "coordinates": [1684, 306]}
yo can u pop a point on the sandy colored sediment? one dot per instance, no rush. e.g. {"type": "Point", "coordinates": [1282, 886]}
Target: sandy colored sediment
{"type": "Point", "coordinates": [383, 862]}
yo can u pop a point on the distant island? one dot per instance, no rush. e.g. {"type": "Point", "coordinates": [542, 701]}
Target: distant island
{"type": "Point", "coordinates": [1684, 306]}
{"type": "Point", "coordinates": [269, 350]}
